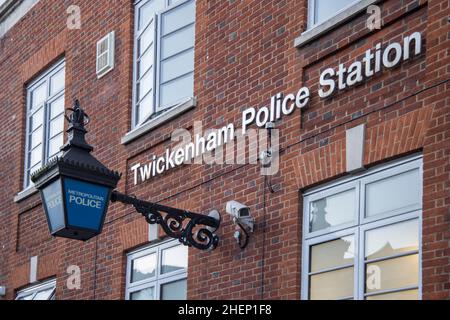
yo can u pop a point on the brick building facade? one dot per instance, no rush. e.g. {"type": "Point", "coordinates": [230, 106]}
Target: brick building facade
{"type": "Point", "coordinates": [246, 52]}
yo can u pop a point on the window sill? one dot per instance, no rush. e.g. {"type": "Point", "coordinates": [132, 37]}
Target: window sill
{"type": "Point", "coordinates": [28, 192]}
{"type": "Point", "coordinates": [320, 29]}
{"type": "Point", "coordinates": [156, 122]}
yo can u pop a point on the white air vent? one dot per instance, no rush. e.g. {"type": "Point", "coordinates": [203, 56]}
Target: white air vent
{"type": "Point", "coordinates": [105, 55]}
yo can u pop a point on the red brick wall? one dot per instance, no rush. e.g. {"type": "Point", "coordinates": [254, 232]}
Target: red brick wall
{"type": "Point", "coordinates": [244, 55]}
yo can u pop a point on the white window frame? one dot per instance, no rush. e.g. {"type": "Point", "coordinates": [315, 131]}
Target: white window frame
{"type": "Point", "coordinates": [312, 12]}
{"type": "Point", "coordinates": [157, 108]}
{"type": "Point", "coordinates": [159, 279]}
{"type": "Point", "coordinates": [50, 98]}
{"type": "Point", "coordinates": [34, 290]}
{"type": "Point", "coordinates": [362, 224]}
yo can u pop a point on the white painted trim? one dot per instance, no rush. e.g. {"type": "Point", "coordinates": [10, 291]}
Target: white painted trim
{"type": "Point", "coordinates": [355, 141]}
{"type": "Point", "coordinates": [33, 269]}
{"type": "Point", "coordinates": [152, 232]}
{"type": "Point", "coordinates": [156, 122]}
{"type": "Point", "coordinates": [324, 27]}
{"type": "Point", "coordinates": [12, 11]}
{"type": "Point", "coordinates": [28, 192]}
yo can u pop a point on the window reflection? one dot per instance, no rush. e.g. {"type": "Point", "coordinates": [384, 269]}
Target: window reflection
{"type": "Point", "coordinates": [336, 284]}
{"type": "Point", "coordinates": [332, 211]}
{"type": "Point", "coordinates": [393, 239]}
{"type": "Point", "coordinates": [392, 274]}
{"type": "Point", "coordinates": [174, 259]}
{"type": "Point", "coordinates": [143, 268]}
{"type": "Point", "coordinates": [145, 294]}
{"type": "Point", "coordinates": [399, 192]}
{"type": "Point", "coordinates": [174, 290]}
{"type": "Point", "coordinates": [332, 254]}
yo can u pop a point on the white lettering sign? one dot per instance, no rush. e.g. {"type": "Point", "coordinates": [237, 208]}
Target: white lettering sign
{"type": "Point", "coordinates": [330, 81]}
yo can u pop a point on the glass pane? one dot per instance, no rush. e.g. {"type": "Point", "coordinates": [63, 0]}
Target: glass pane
{"type": "Point", "coordinates": [52, 195]}
{"type": "Point", "coordinates": [332, 254]}
{"type": "Point", "coordinates": [56, 126]}
{"type": "Point", "coordinates": [143, 268]}
{"type": "Point", "coordinates": [55, 144]}
{"type": "Point", "coordinates": [43, 295]}
{"type": "Point", "coordinates": [37, 119]}
{"type": "Point", "coordinates": [145, 84]}
{"type": "Point", "coordinates": [146, 62]}
{"type": "Point", "coordinates": [326, 9]}
{"type": "Point", "coordinates": [177, 65]}
{"type": "Point", "coordinates": [332, 211]}
{"type": "Point", "coordinates": [36, 137]}
{"type": "Point", "coordinates": [393, 193]}
{"type": "Point", "coordinates": [36, 156]}
{"type": "Point", "coordinates": [57, 81]}
{"type": "Point", "coordinates": [27, 297]}
{"type": "Point", "coordinates": [178, 17]}
{"type": "Point", "coordinates": [146, 39]}
{"type": "Point", "coordinates": [57, 107]}
{"type": "Point", "coordinates": [178, 41]}
{"type": "Point", "coordinates": [174, 290]}
{"type": "Point", "coordinates": [38, 95]}
{"type": "Point", "coordinates": [392, 274]}
{"type": "Point", "coordinates": [177, 90]}
{"type": "Point", "coordinates": [147, 12]}
{"type": "Point", "coordinates": [331, 285]}
{"type": "Point", "coordinates": [393, 239]}
{"type": "Point", "coordinates": [145, 108]}
{"type": "Point", "coordinates": [401, 295]}
{"type": "Point", "coordinates": [144, 294]}
{"type": "Point", "coordinates": [173, 259]}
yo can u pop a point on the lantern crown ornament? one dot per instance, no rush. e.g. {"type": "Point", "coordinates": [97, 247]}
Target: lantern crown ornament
{"type": "Point", "coordinates": [75, 187]}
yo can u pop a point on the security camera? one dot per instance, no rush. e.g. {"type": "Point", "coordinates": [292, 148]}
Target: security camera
{"type": "Point", "coordinates": [241, 214]}
{"type": "Point", "coordinates": [237, 210]}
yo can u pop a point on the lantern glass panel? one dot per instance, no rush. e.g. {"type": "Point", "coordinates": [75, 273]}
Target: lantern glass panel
{"type": "Point", "coordinates": [54, 205]}
{"type": "Point", "coordinates": [86, 203]}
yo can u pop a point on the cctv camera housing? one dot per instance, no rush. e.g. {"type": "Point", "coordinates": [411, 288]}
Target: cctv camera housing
{"type": "Point", "coordinates": [237, 210]}
{"type": "Point", "coordinates": [241, 214]}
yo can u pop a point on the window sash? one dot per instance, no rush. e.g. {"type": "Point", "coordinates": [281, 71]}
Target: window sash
{"type": "Point", "coordinates": [50, 97]}
{"type": "Point", "coordinates": [364, 225]}
{"type": "Point", "coordinates": [353, 185]}
{"type": "Point", "coordinates": [159, 279]}
{"type": "Point", "coordinates": [312, 12]}
{"type": "Point", "coordinates": [152, 98]}
{"type": "Point", "coordinates": [34, 290]}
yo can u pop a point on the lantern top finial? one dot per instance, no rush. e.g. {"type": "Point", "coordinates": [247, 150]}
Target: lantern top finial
{"type": "Point", "coordinates": [78, 118]}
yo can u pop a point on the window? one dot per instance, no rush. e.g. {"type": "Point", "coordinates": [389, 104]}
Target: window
{"type": "Point", "coordinates": [42, 291]}
{"type": "Point", "coordinates": [362, 236]}
{"type": "Point", "coordinates": [158, 272]}
{"type": "Point", "coordinates": [321, 10]}
{"type": "Point", "coordinates": [163, 56]}
{"type": "Point", "coordinates": [45, 119]}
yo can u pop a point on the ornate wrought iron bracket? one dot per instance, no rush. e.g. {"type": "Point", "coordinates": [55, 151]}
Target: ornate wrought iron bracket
{"type": "Point", "coordinates": [191, 229]}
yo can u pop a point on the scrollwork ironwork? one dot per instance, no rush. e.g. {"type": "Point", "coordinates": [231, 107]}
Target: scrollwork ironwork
{"type": "Point", "coordinates": [191, 229]}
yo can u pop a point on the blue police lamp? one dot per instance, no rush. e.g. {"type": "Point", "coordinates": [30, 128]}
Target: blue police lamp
{"type": "Point", "coordinates": [75, 188]}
